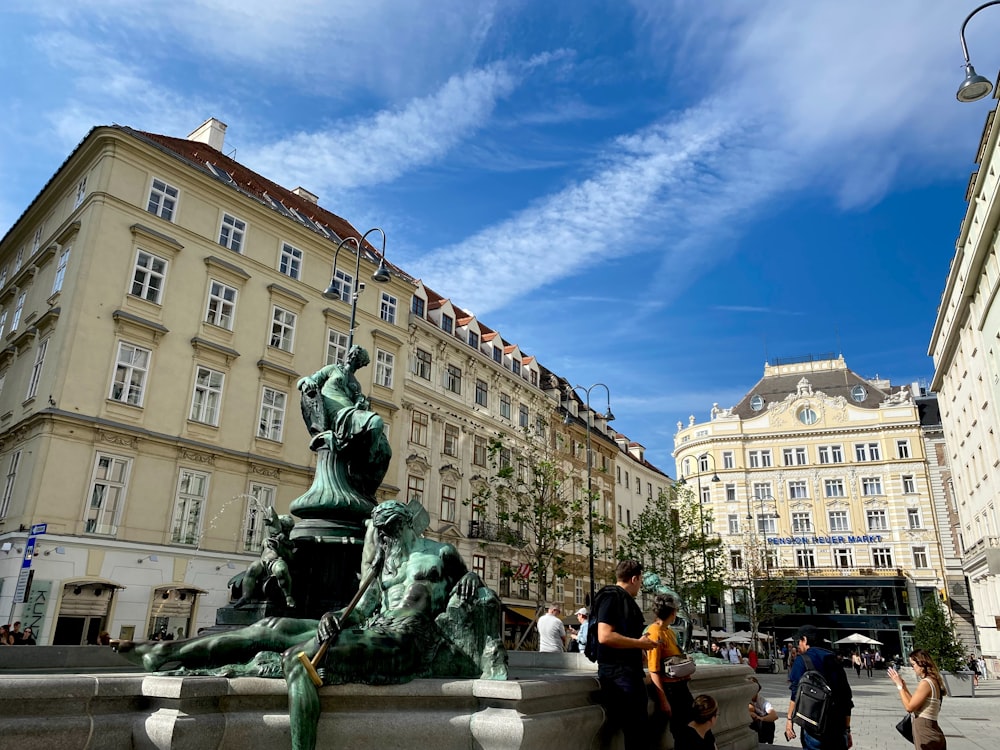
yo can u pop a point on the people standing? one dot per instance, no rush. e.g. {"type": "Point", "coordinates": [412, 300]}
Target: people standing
{"type": "Point", "coordinates": [697, 734]}
{"type": "Point", "coordinates": [856, 661]}
{"type": "Point", "coordinates": [5, 639]}
{"type": "Point", "coordinates": [925, 702]}
{"type": "Point", "coordinates": [972, 665]}
{"type": "Point", "coordinates": [16, 634]}
{"type": "Point", "coordinates": [762, 715]}
{"type": "Point", "coordinates": [582, 617]}
{"type": "Point", "coordinates": [867, 658]}
{"type": "Point", "coordinates": [551, 631]}
{"type": "Point", "coordinates": [621, 642]}
{"type": "Point", "coordinates": [838, 725]}
{"type": "Point", "coordinates": [672, 696]}
{"type": "Point", "coordinates": [752, 659]}
{"type": "Point", "coordinates": [28, 637]}
{"type": "Point", "coordinates": [735, 657]}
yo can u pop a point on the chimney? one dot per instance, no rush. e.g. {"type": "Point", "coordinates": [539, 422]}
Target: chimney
{"type": "Point", "coordinates": [212, 132]}
{"type": "Point", "coordinates": [305, 194]}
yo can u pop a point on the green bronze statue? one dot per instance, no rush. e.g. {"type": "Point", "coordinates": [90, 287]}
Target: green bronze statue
{"type": "Point", "coordinates": [426, 615]}
{"type": "Point", "coordinates": [275, 556]}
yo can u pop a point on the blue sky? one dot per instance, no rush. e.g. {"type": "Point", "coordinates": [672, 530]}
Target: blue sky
{"type": "Point", "coordinates": [658, 195]}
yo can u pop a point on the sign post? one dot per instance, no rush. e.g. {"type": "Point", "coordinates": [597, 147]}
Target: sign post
{"type": "Point", "coordinates": [24, 577]}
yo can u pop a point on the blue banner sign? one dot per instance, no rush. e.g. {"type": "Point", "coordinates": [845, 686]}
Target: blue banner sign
{"type": "Point", "coordinates": [849, 539]}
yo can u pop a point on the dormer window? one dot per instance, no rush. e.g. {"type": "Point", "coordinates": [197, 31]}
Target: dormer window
{"type": "Point", "coordinates": [447, 323]}
{"type": "Point", "coordinates": [473, 339]}
{"type": "Point", "coordinates": [515, 367]}
{"type": "Point", "coordinates": [497, 354]}
{"type": "Point", "coordinates": [417, 306]}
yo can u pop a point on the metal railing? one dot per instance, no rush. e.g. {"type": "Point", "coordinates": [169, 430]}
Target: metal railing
{"type": "Point", "coordinates": [494, 532]}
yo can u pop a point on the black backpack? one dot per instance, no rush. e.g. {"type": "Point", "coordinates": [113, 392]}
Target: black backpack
{"type": "Point", "coordinates": [813, 700]}
{"type": "Point", "coordinates": [590, 649]}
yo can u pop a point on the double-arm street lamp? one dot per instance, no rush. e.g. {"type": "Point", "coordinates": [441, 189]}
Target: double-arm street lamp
{"type": "Point", "coordinates": [975, 86]}
{"type": "Point", "coordinates": [804, 557]}
{"type": "Point", "coordinates": [381, 275]}
{"type": "Point", "coordinates": [704, 536]}
{"type": "Point", "coordinates": [756, 532]}
{"type": "Point", "coordinates": [568, 419]}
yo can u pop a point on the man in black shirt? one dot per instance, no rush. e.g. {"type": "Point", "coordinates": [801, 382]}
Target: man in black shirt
{"type": "Point", "coordinates": [838, 732]}
{"type": "Point", "coordinates": [619, 623]}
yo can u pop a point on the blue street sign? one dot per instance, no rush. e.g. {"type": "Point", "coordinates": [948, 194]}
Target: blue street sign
{"type": "Point", "coordinates": [29, 553]}
{"type": "Point", "coordinates": [39, 528]}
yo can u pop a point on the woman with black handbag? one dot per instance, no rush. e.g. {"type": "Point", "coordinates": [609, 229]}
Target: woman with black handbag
{"type": "Point", "coordinates": [672, 697]}
{"type": "Point", "coordinates": [924, 703]}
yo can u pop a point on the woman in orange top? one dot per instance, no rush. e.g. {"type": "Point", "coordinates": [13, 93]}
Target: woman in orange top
{"type": "Point", "coordinates": [672, 696]}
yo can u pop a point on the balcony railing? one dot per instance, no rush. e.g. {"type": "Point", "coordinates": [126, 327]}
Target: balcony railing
{"type": "Point", "coordinates": [494, 532]}
{"type": "Point", "coordinates": [827, 572]}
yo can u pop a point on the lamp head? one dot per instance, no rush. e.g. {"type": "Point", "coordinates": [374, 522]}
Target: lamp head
{"type": "Point", "coordinates": [333, 291]}
{"type": "Point", "coordinates": [974, 87]}
{"type": "Point", "coordinates": [608, 415]}
{"type": "Point", "coordinates": [382, 272]}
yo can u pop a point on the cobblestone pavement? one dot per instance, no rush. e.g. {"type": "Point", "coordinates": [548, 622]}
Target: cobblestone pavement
{"type": "Point", "coordinates": [968, 723]}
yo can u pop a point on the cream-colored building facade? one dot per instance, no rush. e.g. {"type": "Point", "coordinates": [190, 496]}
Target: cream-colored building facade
{"type": "Point", "coordinates": [965, 345]}
{"type": "Point", "coordinates": [825, 473]}
{"type": "Point", "coordinates": [158, 304]}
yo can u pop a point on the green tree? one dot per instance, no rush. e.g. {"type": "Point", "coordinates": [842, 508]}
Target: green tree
{"type": "Point", "coordinates": [934, 632]}
{"type": "Point", "coordinates": [668, 538]}
{"type": "Point", "coordinates": [531, 497]}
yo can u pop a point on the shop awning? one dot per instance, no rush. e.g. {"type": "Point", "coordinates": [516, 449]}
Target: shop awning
{"type": "Point", "coordinates": [525, 613]}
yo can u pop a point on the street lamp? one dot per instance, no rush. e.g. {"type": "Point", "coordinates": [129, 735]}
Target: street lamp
{"type": "Point", "coordinates": [381, 275]}
{"type": "Point", "coordinates": [568, 419]}
{"type": "Point", "coordinates": [975, 86]}
{"type": "Point", "coordinates": [755, 530]}
{"type": "Point", "coordinates": [704, 540]}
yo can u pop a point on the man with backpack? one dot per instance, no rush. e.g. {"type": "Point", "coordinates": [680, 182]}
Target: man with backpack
{"type": "Point", "coordinates": [821, 699]}
{"type": "Point", "coordinates": [617, 623]}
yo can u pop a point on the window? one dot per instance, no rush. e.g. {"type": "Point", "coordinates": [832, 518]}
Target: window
{"type": "Point", "coordinates": [447, 323]}
{"type": "Point", "coordinates": [515, 367]}
{"type": "Point", "coordinates": [231, 233]}
{"type": "Point", "coordinates": [727, 459]}
{"type": "Point", "coordinates": [798, 489]}
{"type": "Point", "coordinates": [384, 364]}
{"type": "Point", "coordinates": [36, 240]}
{"type": "Point", "coordinates": [843, 557]}
{"type": "Point", "coordinates": [902, 449]}
{"type": "Point", "coordinates": [336, 347]}
{"type": "Point", "coordinates": [8, 490]}
{"type": "Point", "coordinates": [878, 520]}
{"type": "Point", "coordinates": [261, 497]}
{"type": "Point", "coordinates": [19, 259]}
{"type": "Point", "coordinates": [497, 354]}
{"type": "Point", "coordinates": [909, 484]}
{"type": "Point", "coordinates": [766, 524]}
{"type": "Point", "coordinates": [757, 402]}
{"type": "Point", "coordinates": [107, 494]}
{"type": "Point", "coordinates": [920, 559]}
{"type": "Point", "coordinates": [736, 559]}
{"type": "Point", "coordinates": [638, 486]}
{"type": "Point", "coordinates": [706, 492]}
{"type": "Point", "coordinates": [131, 367]}
{"type": "Point", "coordinates": [282, 329]}
{"type": "Point", "coordinates": [387, 308]}
{"type": "Point", "coordinates": [150, 273]}
{"type": "Point", "coordinates": [3, 275]}
{"type": "Point", "coordinates": [449, 496]}
{"type": "Point", "coordinates": [207, 396]}
{"type": "Point", "coordinates": [762, 491]}
{"type": "Point", "coordinates": [858, 393]}
{"type": "Point", "coordinates": [422, 364]}
{"type": "Point", "coordinates": [418, 306]}
{"type": "Point", "coordinates": [61, 270]}
{"type": "Point", "coordinates": [831, 454]}
{"type": "Point", "coordinates": [807, 415]}
{"type": "Point", "coordinates": [871, 486]}
{"type": "Point", "coordinates": [482, 393]}
{"type": "Point", "coordinates": [805, 558]}
{"type": "Point", "coordinates": [522, 416]}
{"type": "Point", "coordinates": [734, 523]}
{"type": "Point", "coordinates": [221, 305]}
{"type": "Point", "coordinates": [415, 489]}
{"type": "Point", "coordinates": [453, 379]}
{"type": "Point", "coordinates": [272, 414]}
{"type": "Point", "coordinates": [290, 261]}
{"type": "Point", "coordinates": [36, 369]}
{"type": "Point", "coordinates": [833, 487]}
{"type": "Point", "coordinates": [479, 566]}
{"type": "Point", "coordinates": [342, 283]}
{"type": "Point", "coordinates": [882, 557]}
{"type": "Point", "coordinates": [419, 428]}
{"type": "Point", "coordinates": [3, 322]}
{"type": "Point", "coordinates": [505, 575]}
{"type": "Point", "coordinates": [839, 520]}
{"type": "Point", "coordinates": [81, 192]}
{"type": "Point", "coordinates": [730, 492]}
{"type": "Point", "coordinates": [913, 518]}
{"type": "Point", "coordinates": [18, 309]}
{"type": "Point", "coordinates": [760, 459]}
{"type": "Point", "coordinates": [450, 440]}
{"type": "Point", "coordinates": [505, 406]}
{"type": "Point", "coordinates": [479, 451]}
{"type": "Point", "coordinates": [867, 452]}
{"type": "Point", "coordinates": [503, 458]}
{"type": "Point", "coordinates": [473, 339]}
{"type": "Point", "coordinates": [794, 456]}
{"type": "Point", "coordinates": [162, 200]}
{"type": "Point", "coordinates": [801, 522]}
{"type": "Point", "coordinates": [578, 591]}
{"type": "Point", "coordinates": [192, 489]}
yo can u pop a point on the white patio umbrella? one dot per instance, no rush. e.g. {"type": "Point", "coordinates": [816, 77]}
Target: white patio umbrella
{"type": "Point", "coordinates": [720, 634]}
{"type": "Point", "coordinates": [857, 639]}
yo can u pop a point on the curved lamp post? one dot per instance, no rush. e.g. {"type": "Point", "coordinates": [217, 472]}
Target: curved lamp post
{"type": "Point", "coordinates": [701, 516]}
{"type": "Point", "coordinates": [381, 275]}
{"type": "Point", "coordinates": [590, 466]}
{"type": "Point", "coordinates": [755, 530]}
{"type": "Point", "coordinates": [975, 86]}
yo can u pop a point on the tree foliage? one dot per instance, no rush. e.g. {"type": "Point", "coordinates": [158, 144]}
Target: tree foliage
{"type": "Point", "coordinates": [934, 632]}
{"type": "Point", "coordinates": [668, 538]}
{"type": "Point", "coordinates": [530, 494]}
{"type": "Point", "coordinates": [765, 592]}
